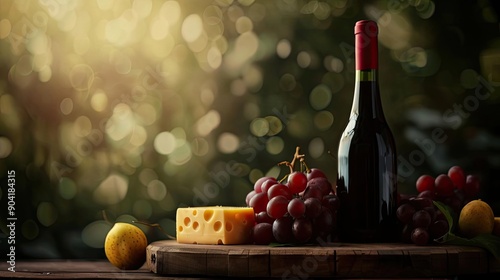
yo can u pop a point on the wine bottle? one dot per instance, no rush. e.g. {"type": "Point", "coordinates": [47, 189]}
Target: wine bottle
{"type": "Point", "coordinates": [367, 167]}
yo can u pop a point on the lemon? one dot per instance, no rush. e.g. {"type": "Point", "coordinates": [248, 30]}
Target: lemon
{"type": "Point", "coordinates": [476, 218]}
{"type": "Point", "coordinates": [125, 246]}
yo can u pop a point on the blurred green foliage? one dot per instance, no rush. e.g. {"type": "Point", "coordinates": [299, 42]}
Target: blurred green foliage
{"type": "Point", "coordinates": [140, 107]}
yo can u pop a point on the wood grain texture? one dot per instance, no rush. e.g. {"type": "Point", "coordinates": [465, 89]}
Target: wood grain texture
{"type": "Point", "coordinates": [78, 269]}
{"type": "Point", "coordinates": [337, 260]}
{"type": "Point", "coordinates": [259, 263]}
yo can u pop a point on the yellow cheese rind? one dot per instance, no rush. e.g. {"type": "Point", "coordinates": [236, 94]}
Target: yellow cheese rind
{"type": "Point", "coordinates": [215, 225]}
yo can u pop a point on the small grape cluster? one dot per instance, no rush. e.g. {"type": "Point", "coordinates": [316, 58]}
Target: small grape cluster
{"type": "Point", "coordinates": [454, 189]}
{"type": "Point", "coordinates": [422, 220]}
{"type": "Point", "coordinates": [302, 210]}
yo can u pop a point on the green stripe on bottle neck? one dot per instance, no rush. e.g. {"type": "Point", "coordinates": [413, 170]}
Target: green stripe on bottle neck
{"type": "Point", "coordinates": [368, 75]}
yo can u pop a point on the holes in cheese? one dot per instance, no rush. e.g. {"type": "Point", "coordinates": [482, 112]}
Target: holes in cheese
{"type": "Point", "coordinates": [187, 221]}
{"type": "Point", "coordinates": [208, 214]}
{"type": "Point", "coordinates": [229, 226]}
{"type": "Point", "coordinates": [215, 225]}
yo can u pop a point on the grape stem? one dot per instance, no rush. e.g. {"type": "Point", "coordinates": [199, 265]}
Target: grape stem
{"type": "Point", "coordinates": [105, 217]}
{"type": "Point", "coordinates": [283, 179]}
{"type": "Point", "coordinates": [303, 163]}
{"type": "Point", "coordinates": [156, 226]}
{"type": "Point", "coordinates": [296, 156]}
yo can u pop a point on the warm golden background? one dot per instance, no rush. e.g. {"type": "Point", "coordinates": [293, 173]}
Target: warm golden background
{"type": "Point", "coordinates": [139, 107]}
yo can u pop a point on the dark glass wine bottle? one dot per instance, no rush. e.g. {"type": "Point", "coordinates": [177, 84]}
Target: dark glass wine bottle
{"type": "Point", "coordinates": [367, 167]}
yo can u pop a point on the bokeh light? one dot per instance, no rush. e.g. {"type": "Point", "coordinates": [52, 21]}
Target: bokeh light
{"type": "Point", "coordinates": [94, 234]}
{"type": "Point", "coordinates": [67, 188]}
{"type": "Point", "coordinates": [228, 143]}
{"type": "Point", "coordinates": [111, 190]}
{"type": "Point", "coordinates": [156, 190]}
{"type": "Point", "coordinates": [46, 213]}
{"type": "Point", "coordinates": [320, 97]}
{"type": "Point", "coordinates": [5, 147]}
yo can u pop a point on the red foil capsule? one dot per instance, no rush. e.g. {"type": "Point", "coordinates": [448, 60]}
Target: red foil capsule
{"type": "Point", "coordinates": [366, 32]}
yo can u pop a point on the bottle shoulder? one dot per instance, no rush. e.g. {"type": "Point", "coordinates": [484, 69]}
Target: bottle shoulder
{"type": "Point", "coordinates": [366, 126]}
{"type": "Point", "coordinates": [374, 134]}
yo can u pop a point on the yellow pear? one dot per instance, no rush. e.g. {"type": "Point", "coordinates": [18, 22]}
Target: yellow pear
{"type": "Point", "coordinates": [476, 218]}
{"type": "Point", "coordinates": [125, 246]}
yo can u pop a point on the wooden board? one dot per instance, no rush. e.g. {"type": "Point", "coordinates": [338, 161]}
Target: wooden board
{"type": "Point", "coordinates": [336, 259]}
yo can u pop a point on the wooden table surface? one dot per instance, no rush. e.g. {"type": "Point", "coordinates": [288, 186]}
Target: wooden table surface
{"type": "Point", "coordinates": [102, 269]}
{"type": "Point", "coordinates": [331, 260]}
{"type": "Point", "coordinates": [97, 269]}
{"type": "Point", "coordinates": [77, 269]}
{"type": "Point", "coordinates": [350, 261]}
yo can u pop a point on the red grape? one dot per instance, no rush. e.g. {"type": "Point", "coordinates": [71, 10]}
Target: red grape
{"type": "Point", "coordinates": [439, 215]}
{"type": "Point", "coordinates": [432, 212]}
{"type": "Point", "coordinates": [282, 230]}
{"type": "Point", "coordinates": [425, 183]}
{"type": "Point", "coordinates": [421, 202]}
{"type": "Point", "coordinates": [313, 207]}
{"type": "Point", "coordinates": [313, 191]}
{"type": "Point", "coordinates": [406, 234]}
{"type": "Point", "coordinates": [302, 230]}
{"type": "Point", "coordinates": [405, 213]}
{"type": "Point", "coordinates": [324, 223]}
{"type": "Point", "coordinates": [322, 183]}
{"type": "Point", "coordinates": [455, 203]}
{"type": "Point", "coordinates": [263, 234]}
{"type": "Point", "coordinates": [438, 228]}
{"type": "Point", "coordinates": [258, 184]}
{"type": "Point", "coordinates": [279, 189]}
{"type": "Point", "coordinates": [422, 219]}
{"type": "Point", "coordinates": [444, 186]}
{"type": "Point", "coordinates": [263, 217]}
{"type": "Point", "coordinates": [404, 198]}
{"type": "Point", "coordinates": [297, 182]}
{"type": "Point", "coordinates": [277, 207]}
{"type": "Point", "coordinates": [331, 202]}
{"type": "Point", "coordinates": [302, 209]}
{"type": "Point", "coordinates": [420, 236]}
{"type": "Point", "coordinates": [457, 176]}
{"type": "Point", "coordinates": [315, 173]}
{"type": "Point", "coordinates": [249, 196]}
{"type": "Point", "coordinates": [259, 202]}
{"type": "Point", "coordinates": [296, 208]}
{"type": "Point", "coordinates": [267, 184]}
{"type": "Point", "coordinates": [427, 194]}
{"type": "Point", "coordinates": [472, 186]}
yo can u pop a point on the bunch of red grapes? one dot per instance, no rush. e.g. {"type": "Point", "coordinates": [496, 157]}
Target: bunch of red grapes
{"type": "Point", "coordinates": [301, 210]}
{"type": "Point", "coordinates": [422, 220]}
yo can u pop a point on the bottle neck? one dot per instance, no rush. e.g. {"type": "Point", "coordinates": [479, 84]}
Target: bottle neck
{"type": "Point", "coordinates": [367, 103]}
{"type": "Point", "coordinates": [369, 75]}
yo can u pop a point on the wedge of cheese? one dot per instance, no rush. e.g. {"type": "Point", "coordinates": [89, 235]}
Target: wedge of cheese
{"type": "Point", "coordinates": [215, 225]}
